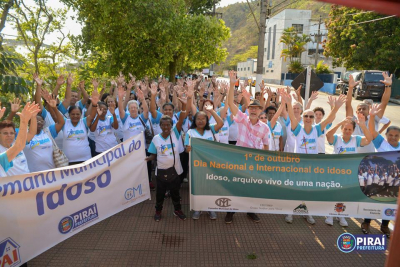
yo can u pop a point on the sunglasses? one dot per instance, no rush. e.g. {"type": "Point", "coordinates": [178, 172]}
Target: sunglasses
{"type": "Point", "coordinates": [309, 116]}
{"type": "Point", "coordinates": [263, 118]}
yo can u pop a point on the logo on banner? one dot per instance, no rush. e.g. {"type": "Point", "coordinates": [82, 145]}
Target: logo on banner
{"type": "Point", "coordinates": [361, 243]}
{"type": "Point", "coordinates": [340, 207]}
{"type": "Point", "coordinates": [223, 202]}
{"type": "Point", "coordinates": [78, 219]}
{"type": "Point", "coordinates": [9, 253]}
{"type": "Point", "coordinates": [302, 208]}
{"type": "Point", "coordinates": [133, 192]}
{"type": "Point", "coordinates": [390, 212]}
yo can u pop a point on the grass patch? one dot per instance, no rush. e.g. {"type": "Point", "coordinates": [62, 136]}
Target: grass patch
{"type": "Point", "coordinates": [251, 256]}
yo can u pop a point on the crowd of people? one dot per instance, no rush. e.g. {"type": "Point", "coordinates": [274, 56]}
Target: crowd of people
{"type": "Point", "coordinates": [168, 115]}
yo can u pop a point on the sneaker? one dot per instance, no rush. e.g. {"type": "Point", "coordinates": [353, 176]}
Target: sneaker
{"type": "Point", "coordinates": [385, 229]}
{"type": "Point", "coordinates": [342, 221]}
{"type": "Point", "coordinates": [213, 215]}
{"type": "Point", "coordinates": [229, 217]}
{"type": "Point", "coordinates": [254, 217]}
{"type": "Point", "coordinates": [289, 218]}
{"type": "Point", "coordinates": [329, 220]}
{"type": "Point", "coordinates": [152, 187]}
{"type": "Point", "coordinates": [365, 228]}
{"type": "Point", "coordinates": [167, 194]}
{"type": "Point", "coordinates": [196, 215]}
{"type": "Point", "coordinates": [157, 216]}
{"type": "Point", "coordinates": [185, 180]}
{"type": "Point", "coordinates": [309, 218]}
{"type": "Point", "coordinates": [180, 215]}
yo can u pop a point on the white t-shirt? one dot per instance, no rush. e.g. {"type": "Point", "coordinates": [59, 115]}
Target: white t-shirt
{"type": "Point", "coordinates": [341, 147]}
{"type": "Point", "coordinates": [358, 131]}
{"type": "Point", "coordinates": [104, 135]}
{"type": "Point", "coordinates": [321, 139]}
{"type": "Point", "coordinates": [163, 149]}
{"type": "Point", "coordinates": [390, 179]}
{"type": "Point", "coordinates": [382, 145]}
{"type": "Point", "coordinates": [20, 164]}
{"type": "Point", "coordinates": [290, 137]}
{"type": "Point", "coordinates": [64, 111]}
{"type": "Point", "coordinates": [39, 151]}
{"type": "Point", "coordinates": [361, 180]}
{"type": "Point", "coordinates": [208, 135]}
{"type": "Point", "coordinates": [376, 179]}
{"type": "Point", "coordinates": [383, 180]}
{"type": "Point", "coordinates": [118, 132]}
{"type": "Point", "coordinates": [132, 126]}
{"type": "Point", "coordinates": [5, 165]}
{"type": "Point", "coordinates": [306, 143]}
{"type": "Point", "coordinates": [76, 143]}
{"type": "Point", "coordinates": [224, 131]}
{"type": "Point", "coordinates": [48, 120]}
{"type": "Point", "coordinates": [275, 134]}
{"type": "Point", "coordinates": [369, 179]}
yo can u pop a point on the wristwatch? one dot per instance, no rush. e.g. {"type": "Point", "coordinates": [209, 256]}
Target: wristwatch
{"type": "Point", "coordinates": [388, 86]}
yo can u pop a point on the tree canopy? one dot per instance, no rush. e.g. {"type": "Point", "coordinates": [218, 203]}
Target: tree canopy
{"type": "Point", "coordinates": [370, 45]}
{"type": "Point", "coordinates": [148, 37]}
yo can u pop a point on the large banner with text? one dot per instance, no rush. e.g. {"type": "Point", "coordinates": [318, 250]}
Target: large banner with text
{"type": "Point", "coordinates": [40, 210]}
{"type": "Point", "coordinates": [228, 178]}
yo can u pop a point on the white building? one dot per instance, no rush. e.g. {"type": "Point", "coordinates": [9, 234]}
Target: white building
{"type": "Point", "coordinates": [274, 65]}
{"type": "Point", "coordinates": [247, 69]}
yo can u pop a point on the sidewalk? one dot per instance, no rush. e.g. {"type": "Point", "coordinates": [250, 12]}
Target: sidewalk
{"type": "Point", "coordinates": [132, 238]}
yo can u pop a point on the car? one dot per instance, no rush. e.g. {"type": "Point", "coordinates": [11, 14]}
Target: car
{"type": "Point", "coordinates": [343, 84]}
{"type": "Point", "coordinates": [370, 85]}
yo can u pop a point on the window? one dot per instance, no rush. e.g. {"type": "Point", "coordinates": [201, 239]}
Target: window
{"type": "Point", "coordinates": [273, 42]}
{"type": "Point", "coordinates": [272, 70]}
{"type": "Point", "coordinates": [298, 28]}
{"type": "Point", "coordinates": [263, 69]}
{"type": "Point", "coordinates": [248, 68]}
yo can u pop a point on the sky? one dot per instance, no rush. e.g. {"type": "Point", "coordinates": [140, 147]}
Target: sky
{"type": "Point", "coordinates": [72, 26]}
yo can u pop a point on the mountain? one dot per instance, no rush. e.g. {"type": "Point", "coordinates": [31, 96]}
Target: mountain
{"type": "Point", "coordinates": [244, 31]}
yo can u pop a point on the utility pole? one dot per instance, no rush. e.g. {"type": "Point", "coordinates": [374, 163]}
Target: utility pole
{"type": "Point", "coordinates": [318, 40]}
{"type": "Point", "coordinates": [265, 12]}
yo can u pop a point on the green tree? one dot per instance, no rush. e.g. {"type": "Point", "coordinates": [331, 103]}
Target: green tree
{"type": "Point", "coordinates": [294, 42]}
{"type": "Point", "coordinates": [371, 45]}
{"type": "Point", "coordinates": [250, 53]}
{"type": "Point", "coordinates": [148, 37]}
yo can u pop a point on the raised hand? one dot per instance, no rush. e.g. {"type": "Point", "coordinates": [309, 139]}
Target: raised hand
{"type": "Point", "coordinates": [183, 99]}
{"type": "Point", "coordinates": [52, 101]}
{"type": "Point", "coordinates": [140, 94]}
{"type": "Point", "coordinates": [70, 79]}
{"type": "Point", "coordinates": [208, 106]}
{"type": "Point", "coordinates": [130, 85]}
{"type": "Point", "coordinates": [60, 80]}
{"type": "Point", "coordinates": [387, 79]}
{"type": "Point", "coordinates": [352, 83]}
{"type": "Point", "coordinates": [112, 110]}
{"type": "Point", "coordinates": [30, 110]}
{"type": "Point", "coordinates": [133, 78]}
{"type": "Point", "coordinates": [286, 97]}
{"type": "Point", "coordinates": [339, 101]}
{"type": "Point", "coordinates": [15, 105]}
{"type": "Point", "coordinates": [232, 77]}
{"type": "Point", "coordinates": [314, 95]}
{"type": "Point", "coordinates": [2, 111]}
{"type": "Point", "coordinates": [163, 95]}
{"type": "Point", "coordinates": [120, 79]}
{"type": "Point", "coordinates": [190, 91]}
{"type": "Point", "coordinates": [95, 97]}
{"type": "Point", "coordinates": [113, 83]}
{"type": "Point", "coordinates": [95, 84]}
{"type": "Point", "coordinates": [375, 109]}
{"type": "Point", "coordinates": [331, 101]}
{"type": "Point", "coordinates": [99, 111]}
{"type": "Point", "coordinates": [246, 94]}
{"type": "Point", "coordinates": [45, 95]}
{"type": "Point", "coordinates": [360, 119]}
{"type": "Point", "coordinates": [81, 85]}
{"type": "Point", "coordinates": [299, 90]}
{"type": "Point", "coordinates": [38, 81]}
{"type": "Point", "coordinates": [121, 93]}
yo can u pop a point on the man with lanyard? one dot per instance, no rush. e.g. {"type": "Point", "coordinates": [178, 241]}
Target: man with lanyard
{"type": "Point", "coordinates": [251, 132]}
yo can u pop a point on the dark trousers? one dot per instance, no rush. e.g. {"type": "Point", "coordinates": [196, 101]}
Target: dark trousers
{"type": "Point", "coordinates": [149, 166]}
{"type": "Point", "coordinates": [384, 222]}
{"type": "Point", "coordinates": [173, 188]}
{"type": "Point", "coordinates": [184, 156]}
{"type": "Point", "coordinates": [232, 142]}
{"type": "Point", "coordinates": [92, 145]}
{"type": "Point", "coordinates": [74, 163]}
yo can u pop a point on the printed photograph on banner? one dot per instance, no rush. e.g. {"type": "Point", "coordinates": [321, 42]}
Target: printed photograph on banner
{"type": "Point", "coordinates": [378, 175]}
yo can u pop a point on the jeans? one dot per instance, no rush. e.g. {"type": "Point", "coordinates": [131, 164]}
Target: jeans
{"type": "Point", "coordinates": [173, 188]}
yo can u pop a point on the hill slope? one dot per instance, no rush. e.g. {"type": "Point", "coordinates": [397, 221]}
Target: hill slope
{"type": "Point", "coordinates": [244, 29]}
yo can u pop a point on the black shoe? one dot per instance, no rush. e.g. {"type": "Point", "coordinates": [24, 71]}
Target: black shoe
{"type": "Point", "coordinates": [229, 217]}
{"type": "Point", "coordinates": [180, 215]}
{"type": "Point", "coordinates": [254, 217]}
{"type": "Point", "coordinates": [157, 216]}
{"type": "Point", "coordinates": [365, 228]}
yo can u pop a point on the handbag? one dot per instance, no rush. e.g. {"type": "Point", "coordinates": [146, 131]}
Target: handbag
{"type": "Point", "coordinates": [148, 135]}
{"type": "Point", "coordinates": [168, 175]}
{"type": "Point", "coordinates": [60, 160]}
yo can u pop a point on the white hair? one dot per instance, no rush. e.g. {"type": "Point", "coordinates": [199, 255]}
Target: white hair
{"type": "Point", "coordinates": [131, 102]}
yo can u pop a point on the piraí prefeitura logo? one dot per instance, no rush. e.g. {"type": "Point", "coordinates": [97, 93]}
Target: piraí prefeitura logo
{"type": "Point", "coordinates": [9, 253]}
{"type": "Point", "coordinates": [362, 243]}
{"type": "Point", "coordinates": [78, 219]}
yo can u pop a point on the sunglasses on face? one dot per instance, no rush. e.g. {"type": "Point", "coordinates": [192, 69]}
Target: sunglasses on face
{"type": "Point", "coordinates": [309, 116]}
{"type": "Point", "coordinates": [263, 118]}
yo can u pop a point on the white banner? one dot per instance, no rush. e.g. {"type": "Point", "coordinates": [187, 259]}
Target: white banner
{"type": "Point", "coordinates": [40, 210]}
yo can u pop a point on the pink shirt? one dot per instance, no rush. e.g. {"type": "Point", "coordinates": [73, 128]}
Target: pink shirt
{"type": "Point", "coordinates": [249, 135]}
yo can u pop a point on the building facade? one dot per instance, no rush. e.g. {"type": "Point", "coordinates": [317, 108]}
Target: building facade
{"type": "Point", "coordinates": [247, 69]}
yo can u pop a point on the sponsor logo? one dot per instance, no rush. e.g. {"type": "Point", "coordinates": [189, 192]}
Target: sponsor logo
{"type": "Point", "coordinates": [372, 211]}
{"type": "Point", "coordinates": [133, 192]}
{"type": "Point", "coordinates": [361, 243]}
{"type": "Point", "coordinates": [223, 202]}
{"type": "Point", "coordinates": [302, 208]}
{"type": "Point", "coordinates": [340, 207]}
{"type": "Point", "coordinates": [78, 219]}
{"type": "Point", "coordinates": [390, 212]}
{"type": "Point", "coordinates": [9, 253]}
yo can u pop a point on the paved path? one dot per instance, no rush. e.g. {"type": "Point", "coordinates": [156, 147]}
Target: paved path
{"type": "Point", "coordinates": [132, 238]}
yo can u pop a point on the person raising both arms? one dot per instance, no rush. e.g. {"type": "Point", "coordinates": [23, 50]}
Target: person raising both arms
{"type": "Point", "coordinates": [306, 136]}
{"type": "Point", "coordinates": [13, 151]}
